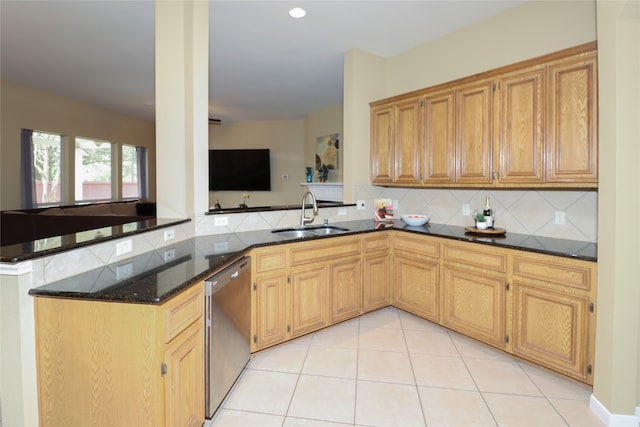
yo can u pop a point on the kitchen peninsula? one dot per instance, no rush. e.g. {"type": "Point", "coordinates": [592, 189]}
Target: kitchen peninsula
{"type": "Point", "coordinates": [385, 265]}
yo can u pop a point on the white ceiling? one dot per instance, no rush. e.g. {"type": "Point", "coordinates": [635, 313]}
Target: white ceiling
{"type": "Point", "coordinates": [264, 65]}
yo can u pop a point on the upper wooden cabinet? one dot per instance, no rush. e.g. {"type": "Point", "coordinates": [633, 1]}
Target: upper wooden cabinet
{"type": "Point", "coordinates": [531, 124]}
{"type": "Point", "coordinates": [572, 123]}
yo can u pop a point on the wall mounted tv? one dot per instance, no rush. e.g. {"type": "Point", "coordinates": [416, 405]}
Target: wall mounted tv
{"type": "Point", "coordinates": [240, 170]}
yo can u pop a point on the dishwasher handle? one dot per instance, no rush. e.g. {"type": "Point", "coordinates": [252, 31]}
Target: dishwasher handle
{"type": "Point", "coordinates": [226, 276]}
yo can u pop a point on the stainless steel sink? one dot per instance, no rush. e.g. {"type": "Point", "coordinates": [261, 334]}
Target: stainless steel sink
{"type": "Point", "coordinates": [301, 233]}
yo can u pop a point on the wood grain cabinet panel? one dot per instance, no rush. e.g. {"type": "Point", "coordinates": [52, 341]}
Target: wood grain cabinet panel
{"type": "Point", "coordinates": [100, 363]}
{"type": "Point", "coordinates": [377, 282]}
{"type": "Point", "coordinates": [520, 126]}
{"type": "Point", "coordinates": [382, 144]}
{"type": "Point", "coordinates": [475, 304]}
{"type": "Point", "coordinates": [439, 154]}
{"type": "Point", "coordinates": [474, 105]}
{"type": "Point", "coordinates": [308, 300]}
{"type": "Point", "coordinates": [270, 310]}
{"type": "Point", "coordinates": [572, 150]}
{"type": "Point", "coordinates": [346, 289]}
{"type": "Point", "coordinates": [407, 141]}
{"type": "Point", "coordinates": [416, 269]}
{"type": "Point", "coordinates": [551, 328]}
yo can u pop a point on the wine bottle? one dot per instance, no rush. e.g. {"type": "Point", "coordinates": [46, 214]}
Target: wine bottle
{"type": "Point", "coordinates": [488, 212]}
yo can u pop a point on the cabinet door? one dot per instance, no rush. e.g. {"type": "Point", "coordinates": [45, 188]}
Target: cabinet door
{"type": "Point", "coordinates": [346, 289]}
{"type": "Point", "coordinates": [572, 139]}
{"type": "Point", "coordinates": [474, 304]}
{"type": "Point", "coordinates": [377, 281]}
{"type": "Point", "coordinates": [521, 115]}
{"type": "Point", "coordinates": [407, 131]}
{"type": "Point", "coordinates": [270, 306]}
{"type": "Point", "coordinates": [416, 285]}
{"type": "Point", "coordinates": [439, 140]}
{"type": "Point", "coordinates": [473, 133]}
{"type": "Point", "coordinates": [382, 153]}
{"type": "Point", "coordinates": [308, 300]}
{"type": "Point", "coordinates": [551, 328]}
{"type": "Point", "coordinates": [184, 387]}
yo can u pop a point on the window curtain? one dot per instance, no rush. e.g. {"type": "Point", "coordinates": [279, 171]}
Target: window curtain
{"type": "Point", "coordinates": [27, 173]}
{"type": "Point", "coordinates": [143, 178]}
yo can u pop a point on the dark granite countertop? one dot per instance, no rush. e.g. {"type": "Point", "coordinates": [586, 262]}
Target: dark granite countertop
{"type": "Point", "coordinates": [155, 276]}
{"type": "Point", "coordinates": [52, 245]}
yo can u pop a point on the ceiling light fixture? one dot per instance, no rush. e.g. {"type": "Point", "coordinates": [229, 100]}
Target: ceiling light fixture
{"type": "Point", "coordinates": [297, 12]}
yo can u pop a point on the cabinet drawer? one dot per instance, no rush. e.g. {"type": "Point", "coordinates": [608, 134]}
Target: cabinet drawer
{"type": "Point", "coordinates": [560, 271]}
{"type": "Point", "coordinates": [323, 250]}
{"type": "Point", "coordinates": [417, 244]}
{"type": "Point", "coordinates": [376, 243]}
{"type": "Point", "coordinates": [272, 259]}
{"type": "Point", "coordinates": [184, 309]}
{"type": "Point", "coordinates": [476, 256]}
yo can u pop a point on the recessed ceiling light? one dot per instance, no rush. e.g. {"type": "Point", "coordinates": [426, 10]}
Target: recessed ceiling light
{"type": "Point", "coordinates": [297, 12]}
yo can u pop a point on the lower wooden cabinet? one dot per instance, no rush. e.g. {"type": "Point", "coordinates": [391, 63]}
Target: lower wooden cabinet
{"type": "Point", "coordinates": [377, 282]}
{"type": "Point", "coordinates": [106, 363]}
{"type": "Point", "coordinates": [475, 291]}
{"type": "Point", "coordinates": [302, 287]}
{"type": "Point", "coordinates": [345, 289]}
{"type": "Point", "coordinates": [553, 313]}
{"type": "Point", "coordinates": [417, 275]}
{"type": "Point", "coordinates": [537, 307]}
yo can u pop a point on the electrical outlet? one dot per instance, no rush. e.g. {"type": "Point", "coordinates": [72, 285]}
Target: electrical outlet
{"type": "Point", "coordinates": [285, 177]}
{"type": "Point", "coordinates": [124, 271]}
{"type": "Point", "coordinates": [360, 205]}
{"type": "Point", "coordinates": [221, 221]}
{"type": "Point", "coordinates": [560, 217]}
{"type": "Point", "coordinates": [466, 211]}
{"type": "Point", "coordinates": [220, 247]}
{"type": "Point", "coordinates": [169, 234]}
{"type": "Point", "coordinates": [124, 247]}
{"type": "Point", "coordinates": [169, 255]}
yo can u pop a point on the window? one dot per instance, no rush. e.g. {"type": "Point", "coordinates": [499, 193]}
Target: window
{"type": "Point", "coordinates": [47, 166]}
{"type": "Point", "coordinates": [93, 170]}
{"type": "Point", "coordinates": [130, 173]}
{"type": "Point", "coordinates": [104, 171]}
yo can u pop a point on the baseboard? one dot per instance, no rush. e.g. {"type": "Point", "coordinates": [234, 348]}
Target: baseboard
{"type": "Point", "coordinates": [613, 420]}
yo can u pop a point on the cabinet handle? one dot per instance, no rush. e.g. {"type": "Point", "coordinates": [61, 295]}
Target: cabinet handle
{"type": "Point", "coordinates": [508, 287]}
{"type": "Point", "coordinates": [163, 369]}
{"type": "Point", "coordinates": [288, 328]}
{"type": "Point", "coordinates": [506, 339]}
{"type": "Point", "coordinates": [591, 307]}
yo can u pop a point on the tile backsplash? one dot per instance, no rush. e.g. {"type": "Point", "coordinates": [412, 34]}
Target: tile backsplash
{"type": "Point", "coordinates": [518, 211]}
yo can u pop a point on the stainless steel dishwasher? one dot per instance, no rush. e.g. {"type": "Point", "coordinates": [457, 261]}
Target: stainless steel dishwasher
{"type": "Point", "coordinates": [228, 330]}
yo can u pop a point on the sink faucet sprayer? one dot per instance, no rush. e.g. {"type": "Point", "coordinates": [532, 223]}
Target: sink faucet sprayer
{"type": "Point", "coordinates": [303, 219]}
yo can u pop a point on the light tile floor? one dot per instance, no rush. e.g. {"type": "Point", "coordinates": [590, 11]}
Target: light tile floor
{"type": "Point", "coordinates": [390, 368]}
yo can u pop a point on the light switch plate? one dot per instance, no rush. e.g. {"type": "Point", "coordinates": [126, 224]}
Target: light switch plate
{"type": "Point", "coordinates": [169, 234]}
{"type": "Point", "coordinates": [360, 205]}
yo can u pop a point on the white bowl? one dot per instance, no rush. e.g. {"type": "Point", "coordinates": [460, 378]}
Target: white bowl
{"type": "Point", "coordinates": [415, 219]}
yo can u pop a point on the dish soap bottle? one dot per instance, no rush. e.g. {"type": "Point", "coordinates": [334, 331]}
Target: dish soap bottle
{"type": "Point", "coordinates": [488, 212]}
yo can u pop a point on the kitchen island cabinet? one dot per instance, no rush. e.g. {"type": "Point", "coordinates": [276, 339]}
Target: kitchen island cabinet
{"type": "Point", "coordinates": [107, 363]}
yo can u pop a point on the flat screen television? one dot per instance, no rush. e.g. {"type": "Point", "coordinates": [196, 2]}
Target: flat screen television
{"type": "Point", "coordinates": [240, 170]}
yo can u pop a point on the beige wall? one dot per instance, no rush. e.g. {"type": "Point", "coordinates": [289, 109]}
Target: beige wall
{"type": "Point", "coordinates": [285, 139]}
{"type": "Point", "coordinates": [24, 107]}
{"type": "Point", "coordinates": [617, 374]}
{"type": "Point", "coordinates": [320, 123]}
{"type": "Point", "coordinates": [292, 144]}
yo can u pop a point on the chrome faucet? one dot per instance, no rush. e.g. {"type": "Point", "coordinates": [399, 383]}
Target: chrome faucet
{"type": "Point", "coordinates": [303, 219]}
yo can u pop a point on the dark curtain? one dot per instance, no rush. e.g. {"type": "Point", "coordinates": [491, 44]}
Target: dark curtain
{"type": "Point", "coordinates": [143, 179]}
{"type": "Point", "coordinates": [27, 178]}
